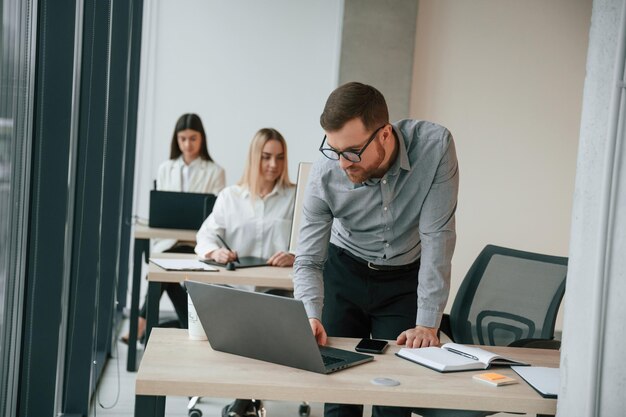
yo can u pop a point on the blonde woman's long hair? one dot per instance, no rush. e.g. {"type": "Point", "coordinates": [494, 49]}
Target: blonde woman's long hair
{"type": "Point", "coordinates": [251, 174]}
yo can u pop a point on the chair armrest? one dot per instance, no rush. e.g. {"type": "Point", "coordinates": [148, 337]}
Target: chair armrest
{"type": "Point", "coordinates": [537, 343]}
{"type": "Point", "coordinates": [445, 327]}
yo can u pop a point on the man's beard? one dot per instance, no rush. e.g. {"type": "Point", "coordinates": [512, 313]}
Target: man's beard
{"type": "Point", "coordinates": [358, 174]}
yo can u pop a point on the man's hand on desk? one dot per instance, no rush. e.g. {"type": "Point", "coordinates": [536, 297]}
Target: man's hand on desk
{"type": "Point", "coordinates": [419, 336]}
{"type": "Point", "coordinates": [318, 331]}
{"type": "Point", "coordinates": [281, 259]}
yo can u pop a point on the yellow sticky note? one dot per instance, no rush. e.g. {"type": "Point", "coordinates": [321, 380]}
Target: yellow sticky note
{"type": "Point", "coordinates": [494, 379]}
{"type": "Point", "coordinates": [493, 376]}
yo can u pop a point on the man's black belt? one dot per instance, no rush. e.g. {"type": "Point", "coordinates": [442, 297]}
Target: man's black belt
{"type": "Point", "coordinates": [383, 268]}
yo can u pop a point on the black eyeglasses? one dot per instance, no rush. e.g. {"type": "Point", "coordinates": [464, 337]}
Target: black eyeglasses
{"type": "Point", "coordinates": [351, 156]}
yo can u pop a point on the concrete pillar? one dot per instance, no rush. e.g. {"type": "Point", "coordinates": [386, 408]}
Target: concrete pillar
{"type": "Point", "coordinates": [377, 46]}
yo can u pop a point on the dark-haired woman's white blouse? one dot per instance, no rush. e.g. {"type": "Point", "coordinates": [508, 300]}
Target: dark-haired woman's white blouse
{"type": "Point", "coordinates": [202, 177]}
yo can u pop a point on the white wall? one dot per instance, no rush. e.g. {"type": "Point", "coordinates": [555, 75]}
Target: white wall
{"type": "Point", "coordinates": [506, 77]}
{"type": "Point", "coordinates": [241, 65]}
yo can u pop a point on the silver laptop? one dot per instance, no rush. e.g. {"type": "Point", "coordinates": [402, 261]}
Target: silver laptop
{"type": "Point", "coordinates": [266, 327]}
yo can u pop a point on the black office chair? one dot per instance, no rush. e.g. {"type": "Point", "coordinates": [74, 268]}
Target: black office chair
{"type": "Point", "coordinates": [507, 298]}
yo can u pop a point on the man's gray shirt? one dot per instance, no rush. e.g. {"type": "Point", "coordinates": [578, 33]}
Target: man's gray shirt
{"type": "Point", "coordinates": [394, 220]}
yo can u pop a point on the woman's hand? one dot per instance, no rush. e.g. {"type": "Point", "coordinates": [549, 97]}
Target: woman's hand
{"type": "Point", "coordinates": [221, 255]}
{"type": "Point", "coordinates": [281, 259]}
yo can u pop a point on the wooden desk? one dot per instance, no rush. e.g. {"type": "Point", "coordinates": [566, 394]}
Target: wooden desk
{"type": "Point", "coordinates": [265, 276]}
{"type": "Point", "coordinates": [141, 250]}
{"type": "Point", "coordinates": [175, 365]}
{"type": "Point", "coordinates": [147, 233]}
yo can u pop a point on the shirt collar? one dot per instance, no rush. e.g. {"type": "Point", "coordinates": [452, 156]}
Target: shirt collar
{"type": "Point", "coordinates": [180, 162]}
{"type": "Point", "coordinates": [402, 161]}
{"type": "Point", "coordinates": [245, 191]}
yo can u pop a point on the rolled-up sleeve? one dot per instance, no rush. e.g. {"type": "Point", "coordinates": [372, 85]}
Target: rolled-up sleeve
{"type": "Point", "coordinates": [437, 231]}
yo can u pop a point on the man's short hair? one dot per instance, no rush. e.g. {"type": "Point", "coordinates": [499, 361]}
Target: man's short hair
{"type": "Point", "coordinates": [353, 100]}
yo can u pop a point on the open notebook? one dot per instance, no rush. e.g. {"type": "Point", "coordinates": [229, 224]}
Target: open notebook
{"type": "Point", "coordinates": [452, 357]}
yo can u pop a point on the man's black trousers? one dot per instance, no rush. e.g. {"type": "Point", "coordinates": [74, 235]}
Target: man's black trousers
{"type": "Point", "coordinates": [361, 302]}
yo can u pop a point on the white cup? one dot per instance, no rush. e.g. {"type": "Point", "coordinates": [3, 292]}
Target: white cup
{"type": "Point", "coordinates": [196, 332]}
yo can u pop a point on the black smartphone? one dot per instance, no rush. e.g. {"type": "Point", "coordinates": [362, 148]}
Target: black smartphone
{"type": "Point", "coordinates": [371, 346]}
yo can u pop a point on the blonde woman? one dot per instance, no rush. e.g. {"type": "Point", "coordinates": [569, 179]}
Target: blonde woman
{"type": "Point", "coordinates": [254, 216]}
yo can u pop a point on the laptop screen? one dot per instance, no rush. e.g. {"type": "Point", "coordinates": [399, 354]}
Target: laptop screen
{"type": "Point", "coordinates": [303, 178]}
{"type": "Point", "coordinates": [177, 210]}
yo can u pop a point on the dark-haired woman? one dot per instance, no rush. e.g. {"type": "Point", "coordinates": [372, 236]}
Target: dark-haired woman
{"type": "Point", "coordinates": [189, 169]}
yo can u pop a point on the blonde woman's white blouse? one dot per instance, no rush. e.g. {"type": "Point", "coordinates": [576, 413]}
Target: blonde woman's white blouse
{"type": "Point", "coordinates": [251, 227]}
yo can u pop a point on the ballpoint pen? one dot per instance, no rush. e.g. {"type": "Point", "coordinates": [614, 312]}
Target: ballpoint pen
{"type": "Point", "coordinates": [467, 355]}
{"type": "Point", "coordinates": [228, 247]}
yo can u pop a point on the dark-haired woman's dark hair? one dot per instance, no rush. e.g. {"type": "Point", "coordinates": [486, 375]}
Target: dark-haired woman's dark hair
{"type": "Point", "coordinates": [189, 121]}
{"type": "Point", "coordinates": [354, 100]}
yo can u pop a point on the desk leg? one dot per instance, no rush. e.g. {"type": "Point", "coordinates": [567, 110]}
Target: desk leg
{"type": "Point", "coordinates": [141, 248]}
{"type": "Point", "coordinates": [149, 406]}
{"type": "Point", "coordinates": [154, 296]}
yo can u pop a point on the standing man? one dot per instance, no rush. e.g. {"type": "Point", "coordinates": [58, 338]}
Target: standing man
{"type": "Point", "coordinates": [385, 198]}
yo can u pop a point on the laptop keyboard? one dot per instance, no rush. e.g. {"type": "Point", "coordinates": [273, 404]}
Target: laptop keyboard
{"type": "Point", "coordinates": [329, 360]}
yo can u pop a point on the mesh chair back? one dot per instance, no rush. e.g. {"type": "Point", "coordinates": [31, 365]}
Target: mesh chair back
{"type": "Point", "coordinates": [508, 295]}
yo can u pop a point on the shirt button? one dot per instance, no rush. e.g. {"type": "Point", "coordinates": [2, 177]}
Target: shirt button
{"type": "Point", "coordinates": [384, 181]}
{"type": "Point", "coordinates": [386, 245]}
{"type": "Point", "coordinates": [385, 208]}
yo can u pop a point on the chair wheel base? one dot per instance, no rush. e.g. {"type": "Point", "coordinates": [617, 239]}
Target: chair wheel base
{"type": "Point", "coordinates": [304, 410]}
{"type": "Point", "coordinates": [244, 408]}
{"type": "Point", "coordinates": [194, 412]}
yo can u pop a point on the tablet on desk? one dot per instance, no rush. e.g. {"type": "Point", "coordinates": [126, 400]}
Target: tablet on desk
{"type": "Point", "coordinates": [244, 262]}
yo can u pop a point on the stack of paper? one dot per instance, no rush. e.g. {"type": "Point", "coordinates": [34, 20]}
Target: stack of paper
{"type": "Point", "coordinates": [182, 264]}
